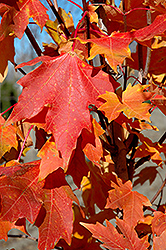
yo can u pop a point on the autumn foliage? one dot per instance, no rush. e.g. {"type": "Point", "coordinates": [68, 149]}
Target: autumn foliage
{"type": "Point", "coordinates": [88, 102]}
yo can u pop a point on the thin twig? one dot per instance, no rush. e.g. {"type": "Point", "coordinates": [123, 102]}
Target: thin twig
{"type": "Point", "coordinates": [87, 27]}
{"type": "Point", "coordinates": [67, 33]}
{"type": "Point", "coordinates": [21, 70]}
{"type": "Point", "coordinates": [24, 143]}
{"type": "Point", "coordinates": [33, 41]}
{"type": "Point", "coordinates": [22, 236]}
{"type": "Point", "coordinates": [55, 4]}
{"type": "Point", "coordinates": [162, 139]}
{"type": "Point", "coordinates": [148, 55]}
{"type": "Point", "coordinates": [158, 192]}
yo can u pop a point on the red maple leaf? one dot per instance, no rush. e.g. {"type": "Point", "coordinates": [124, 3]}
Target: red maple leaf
{"type": "Point", "coordinates": [66, 86]}
{"type": "Point", "coordinates": [21, 194]}
{"type": "Point", "coordinates": [130, 201]}
{"type": "Point", "coordinates": [58, 221]}
{"type": "Point", "coordinates": [113, 240]}
{"type": "Point", "coordinates": [6, 226]}
{"type": "Point", "coordinates": [15, 17]}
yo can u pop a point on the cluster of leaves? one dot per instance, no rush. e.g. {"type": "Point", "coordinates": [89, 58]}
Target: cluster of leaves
{"type": "Point", "coordinates": [87, 125]}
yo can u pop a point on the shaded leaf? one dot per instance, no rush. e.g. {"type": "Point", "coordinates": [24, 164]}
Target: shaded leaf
{"type": "Point", "coordinates": [146, 174]}
{"type": "Point", "coordinates": [7, 53]}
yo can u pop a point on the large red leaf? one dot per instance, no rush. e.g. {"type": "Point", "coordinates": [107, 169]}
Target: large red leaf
{"type": "Point", "coordinates": [66, 86]}
{"type": "Point", "coordinates": [113, 240]}
{"type": "Point", "coordinates": [21, 194]}
{"type": "Point", "coordinates": [15, 18]}
{"type": "Point", "coordinates": [58, 221]}
{"type": "Point", "coordinates": [130, 201]}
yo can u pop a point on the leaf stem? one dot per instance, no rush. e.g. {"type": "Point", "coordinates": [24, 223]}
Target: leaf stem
{"type": "Point", "coordinates": [87, 27]}
{"type": "Point", "coordinates": [148, 54]}
{"type": "Point", "coordinates": [33, 41]}
{"type": "Point", "coordinates": [8, 109]}
{"type": "Point", "coordinates": [67, 33]}
{"type": "Point", "coordinates": [76, 4]}
{"type": "Point", "coordinates": [76, 30]}
{"type": "Point", "coordinates": [21, 70]}
{"type": "Point", "coordinates": [24, 143]}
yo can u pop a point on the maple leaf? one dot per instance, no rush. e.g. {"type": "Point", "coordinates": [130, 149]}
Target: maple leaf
{"type": "Point", "coordinates": [7, 137]}
{"type": "Point", "coordinates": [6, 226]}
{"type": "Point", "coordinates": [113, 18]}
{"type": "Point", "coordinates": [58, 221]}
{"type": "Point", "coordinates": [7, 53]}
{"type": "Point", "coordinates": [113, 240]}
{"type": "Point", "coordinates": [92, 14]}
{"type": "Point", "coordinates": [158, 27]}
{"type": "Point", "coordinates": [159, 242]}
{"type": "Point", "coordinates": [143, 175]}
{"type": "Point", "coordinates": [95, 152]}
{"type": "Point", "coordinates": [115, 48]}
{"type": "Point", "coordinates": [149, 148]}
{"type": "Point", "coordinates": [130, 201]}
{"type": "Point", "coordinates": [64, 85]}
{"type": "Point", "coordinates": [159, 223]}
{"type": "Point", "coordinates": [16, 17]}
{"type": "Point", "coordinates": [50, 159]}
{"type": "Point", "coordinates": [157, 62]}
{"type": "Point", "coordinates": [131, 104]}
{"type": "Point", "coordinates": [22, 195]}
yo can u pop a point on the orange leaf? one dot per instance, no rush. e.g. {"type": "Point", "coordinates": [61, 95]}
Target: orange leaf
{"type": "Point", "coordinates": [159, 242]}
{"type": "Point", "coordinates": [6, 226]}
{"type": "Point", "coordinates": [130, 201]}
{"type": "Point", "coordinates": [113, 240]}
{"type": "Point", "coordinates": [115, 48]}
{"type": "Point", "coordinates": [159, 223]}
{"type": "Point", "coordinates": [7, 137]}
{"type": "Point", "coordinates": [50, 159]}
{"type": "Point", "coordinates": [132, 103]}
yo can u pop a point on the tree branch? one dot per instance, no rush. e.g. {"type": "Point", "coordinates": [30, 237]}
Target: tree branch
{"type": "Point", "coordinates": [33, 41]}
{"type": "Point", "coordinates": [158, 192]}
{"type": "Point", "coordinates": [67, 33]}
